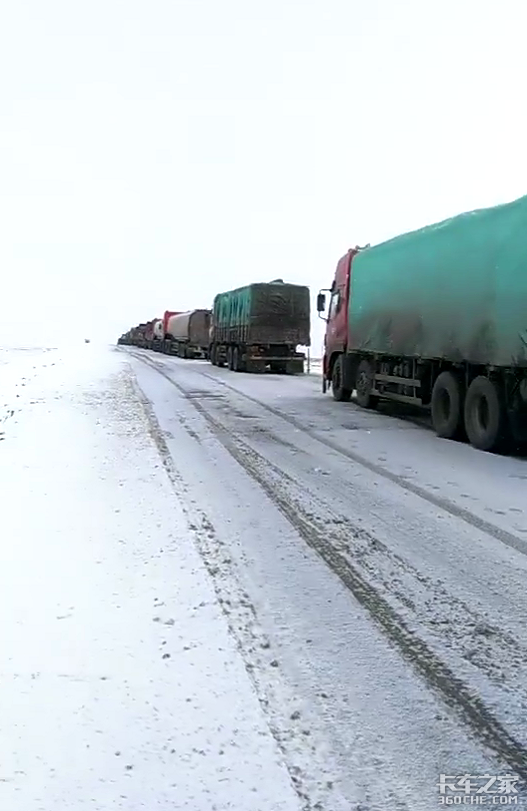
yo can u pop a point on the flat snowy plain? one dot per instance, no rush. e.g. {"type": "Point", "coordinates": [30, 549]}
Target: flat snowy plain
{"type": "Point", "coordinates": [225, 591]}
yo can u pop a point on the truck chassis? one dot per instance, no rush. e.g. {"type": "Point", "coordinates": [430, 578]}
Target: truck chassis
{"type": "Point", "coordinates": [487, 406]}
{"type": "Point", "coordinates": [278, 359]}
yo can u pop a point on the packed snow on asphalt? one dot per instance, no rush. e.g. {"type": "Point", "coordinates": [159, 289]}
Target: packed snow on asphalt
{"type": "Point", "coordinates": [227, 591]}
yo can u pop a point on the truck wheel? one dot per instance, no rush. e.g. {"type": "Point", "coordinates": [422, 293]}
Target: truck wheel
{"type": "Point", "coordinates": [212, 355]}
{"type": "Point", "coordinates": [484, 414]}
{"type": "Point", "coordinates": [446, 406]}
{"type": "Point", "coordinates": [337, 382]}
{"type": "Point", "coordinates": [230, 358]}
{"type": "Point", "coordinates": [237, 365]}
{"type": "Point", "coordinates": [364, 385]}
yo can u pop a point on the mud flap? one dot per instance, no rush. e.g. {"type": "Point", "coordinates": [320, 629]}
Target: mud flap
{"type": "Point", "coordinates": [324, 384]}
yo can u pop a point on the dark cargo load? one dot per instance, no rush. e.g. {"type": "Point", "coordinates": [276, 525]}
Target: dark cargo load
{"type": "Point", "coordinates": [263, 313]}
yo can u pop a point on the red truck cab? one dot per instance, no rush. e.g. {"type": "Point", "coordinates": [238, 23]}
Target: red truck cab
{"type": "Point", "coordinates": [336, 337]}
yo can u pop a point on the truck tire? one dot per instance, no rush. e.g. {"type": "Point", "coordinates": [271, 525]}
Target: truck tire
{"type": "Point", "coordinates": [364, 385]}
{"type": "Point", "coordinates": [485, 415]}
{"type": "Point", "coordinates": [212, 355]}
{"type": "Point", "coordinates": [237, 364]}
{"type": "Point", "coordinates": [340, 394]}
{"type": "Point", "coordinates": [447, 406]}
{"type": "Point", "coordinates": [229, 358]}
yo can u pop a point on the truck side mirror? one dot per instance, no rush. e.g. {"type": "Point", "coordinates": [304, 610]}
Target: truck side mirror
{"type": "Point", "coordinates": [321, 302]}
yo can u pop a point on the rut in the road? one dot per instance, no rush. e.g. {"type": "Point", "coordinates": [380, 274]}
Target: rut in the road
{"type": "Point", "coordinates": [314, 780]}
{"type": "Point", "coordinates": [475, 521]}
{"type": "Point", "coordinates": [454, 692]}
{"type": "Point", "coordinates": [507, 538]}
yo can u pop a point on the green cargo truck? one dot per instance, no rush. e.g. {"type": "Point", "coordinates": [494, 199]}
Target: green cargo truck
{"type": "Point", "coordinates": [260, 327]}
{"type": "Point", "coordinates": [437, 318]}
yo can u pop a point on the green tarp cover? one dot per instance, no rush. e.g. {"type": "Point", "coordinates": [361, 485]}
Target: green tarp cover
{"type": "Point", "coordinates": [456, 290]}
{"type": "Point", "coordinates": [264, 312]}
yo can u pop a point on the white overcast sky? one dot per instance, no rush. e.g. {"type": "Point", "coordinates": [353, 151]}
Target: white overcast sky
{"type": "Point", "coordinates": [155, 152]}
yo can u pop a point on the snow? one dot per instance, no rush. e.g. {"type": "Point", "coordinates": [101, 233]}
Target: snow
{"type": "Point", "coordinates": [121, 684]}
{"type": "Point", "coordinates": [182, 623]}
{"type": "Point", "coordinates": [250, 444]}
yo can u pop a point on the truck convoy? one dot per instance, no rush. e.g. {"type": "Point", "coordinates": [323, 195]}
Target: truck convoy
{"type": "Point", "coordinates": [437, 318]}
{"type": "Point", "coordinates": [252, 328]}
{"type": "Point", "coordinates": [260, 326]}
{"type": "Point", "coordinates": [183, 334]}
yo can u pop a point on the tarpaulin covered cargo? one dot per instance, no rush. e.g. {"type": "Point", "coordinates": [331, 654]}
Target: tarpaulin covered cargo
{"type": "Point", "coordinates": [191, 327]}
{"type": "Point", "coordinates": [456, 290]}
{"type": "Point", "coordinates": [263, 313]}
{"type": "Point", "coordinates": [149, 330]}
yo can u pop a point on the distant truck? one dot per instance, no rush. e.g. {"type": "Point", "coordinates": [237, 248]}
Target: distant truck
{"type": "Point", "coordinates": [138, 335]}
{"type": "Point", "coordinates": [149, 334]}
{"type": "Point", "coordinates": [187, 334]}
{"type": "Point", "coordinates": [167, 315]}
{"type": "Point", "coordinates": [260, 327]}
{"type": "Point", "coordinates": [437, 318]}
{"type": "Point", "coordinates": [157, 335]}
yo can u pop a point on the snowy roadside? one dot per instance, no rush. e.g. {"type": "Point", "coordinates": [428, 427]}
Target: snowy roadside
{"type": "Point", "coordinates": [122, 687]}
{"type": "Point", "coordinates": [19, 369]}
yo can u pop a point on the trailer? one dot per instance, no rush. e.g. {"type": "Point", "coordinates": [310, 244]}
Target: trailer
{"type": "Point", "coordinates": [260, 326]}
{"type": "Point", "coordinates": [436, 318]}
{"type": "Point", "coordinates": [187, 334]}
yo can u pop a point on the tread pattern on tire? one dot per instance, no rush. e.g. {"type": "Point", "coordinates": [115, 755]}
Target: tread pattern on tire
{"type": "Point", "coordinates": [447, 426]}
{"type": "Point", "coordinates": [485, 438]}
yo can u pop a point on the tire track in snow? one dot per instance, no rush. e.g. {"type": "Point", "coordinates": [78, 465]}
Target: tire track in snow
{"type": "Point", "coordinates": [465, 515]}
{"type": "Point", "coordinates": [457, 695]}
{"type": "Point", "coordinates": [502, 535]}
{"type": "Point", "coordinates": [315, 785]}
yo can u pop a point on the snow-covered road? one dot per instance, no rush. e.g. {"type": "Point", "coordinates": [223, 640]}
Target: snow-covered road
{"type": "Point", "coordinates": [121, 686]}
{"type": "Point", "coordinates": [344, 595]}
